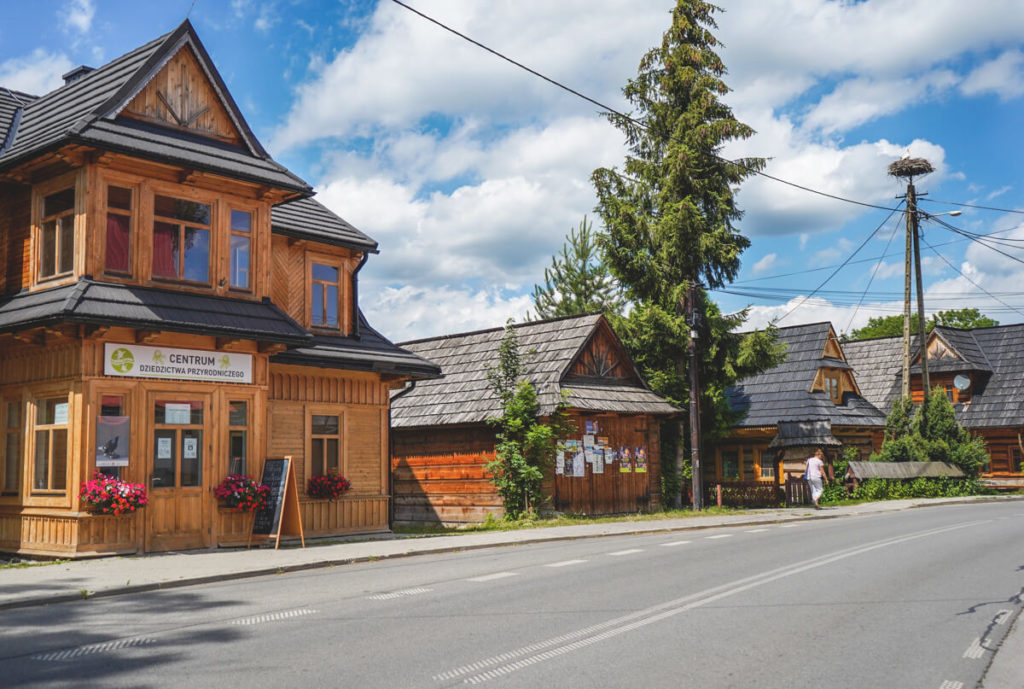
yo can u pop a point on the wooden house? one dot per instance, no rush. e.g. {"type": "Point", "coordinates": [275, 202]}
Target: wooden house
{"type": "Point", "coordinates": [174, 307]}
{"type": "Point", "coordinates": [831, 394]}
{"type": "Point", "coordinates": [441, 439]}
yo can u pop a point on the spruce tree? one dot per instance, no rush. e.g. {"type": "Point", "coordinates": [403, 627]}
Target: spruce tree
{"type": "Point", "coordinates": [578, 280]}
{"type": "Point", "coordinates": [670, 217]}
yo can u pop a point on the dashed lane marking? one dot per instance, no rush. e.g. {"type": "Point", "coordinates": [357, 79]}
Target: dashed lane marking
{"type": "Point", "coordinates": [673, 543]}
{"type": "Point", "coordinates": [721, 535]}
{"type": "Point", "coordinates": [756, 530]}
{"type": "Point", "coordinates": [398, 594]}
{"type": "Point", "coordinates": [566, 563]}
{"type": "Point", "coordinates": [90, 649]}
{"type": "Point", "coordinates": [787, 526]}
{"type": "Point", "coordinates": [617, 553]}
{"type": "Point", "coordinates": [492, 577]}
{"type": "Point", "coordinates": [273, 616]}
{"type": "Point", "coordinates": [949, 684]}
{"type": "Point", "coordinates": [975, 650]}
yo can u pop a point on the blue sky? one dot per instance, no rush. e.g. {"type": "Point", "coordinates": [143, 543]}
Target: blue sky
{"type": "Point", "coordinates": [470, 173]}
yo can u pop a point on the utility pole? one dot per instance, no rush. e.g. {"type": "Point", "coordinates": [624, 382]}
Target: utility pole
{"type": "Point", "coordinates": [692, 320]}
{"type": "Point", "coordinates": [910, 167]}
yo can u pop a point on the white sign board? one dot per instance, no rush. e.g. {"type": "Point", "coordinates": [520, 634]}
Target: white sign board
{"type": "Point", "coordinates": [141, 361]}
{"type": "Point", "coordinates": [178, 414]}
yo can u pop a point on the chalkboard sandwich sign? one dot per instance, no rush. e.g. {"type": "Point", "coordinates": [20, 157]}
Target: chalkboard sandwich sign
{"type": "Point", "coordinates": [281, 515]}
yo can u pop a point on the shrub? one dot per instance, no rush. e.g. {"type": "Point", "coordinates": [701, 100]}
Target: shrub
{"type": "Point", "coordinates": [242, 493]}
{"type": "Point", "coordinates": [327, 486]}
{"type": "Point", "coordinates": [108, 495]}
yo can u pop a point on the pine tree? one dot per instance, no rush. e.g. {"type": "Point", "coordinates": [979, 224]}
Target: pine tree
{"type": "Point", "coordinates": [670, 218]}
{"type": "Point", "coordinates": [578, 280]}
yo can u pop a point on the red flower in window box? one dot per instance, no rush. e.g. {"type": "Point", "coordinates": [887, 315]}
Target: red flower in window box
{"type": "Point", "coordinates": [327, 486]}
{"type": "Point", "coordinates": [108, 495]}
{"type": "Point", "coordinates": [242, 493]}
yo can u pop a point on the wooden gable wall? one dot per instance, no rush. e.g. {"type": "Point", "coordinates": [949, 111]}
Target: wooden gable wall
{"type": "Point", "coordinates": [603, 357]}
{"type": "Point", "coordinates": [15, 237]}
{"type": "Point", "coordinates": [183, 87]}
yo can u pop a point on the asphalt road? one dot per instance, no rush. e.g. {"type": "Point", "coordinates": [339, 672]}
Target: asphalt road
{"type": "Point", "coordinates": [918, 598]}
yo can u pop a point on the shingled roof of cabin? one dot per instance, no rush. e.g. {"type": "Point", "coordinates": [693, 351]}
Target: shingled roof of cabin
{"type": "Point", "coordinates": [310, 219]}
{"type": "Point", "coordinates": [87, 111]}
{"type": "Point", "coordinates": [100, 303]}
{"type": "Point", "coordinates": [367, 351]}
{"type": "Point", "coordinates": [993, 356]}
{"type": "Point", "coordinates": [783, 393]}
{"type": "Point", "coordinates": [464, 396]}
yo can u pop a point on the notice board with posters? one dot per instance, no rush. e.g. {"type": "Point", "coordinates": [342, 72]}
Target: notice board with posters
{"type": "Point", "coordinates": [281, 514]}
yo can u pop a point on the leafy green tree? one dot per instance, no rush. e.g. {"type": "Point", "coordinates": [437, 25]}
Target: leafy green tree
{"type": "Point", "coordinates": [892, 326]}
{"type": "Point", "coordinates": [578, 280]}
{"type": "Point", "coordinates": [526, 445]}
{"type": "Point", "coordinates": [930, 433]}
{"type": "Point", "coordinates": [670, 217]}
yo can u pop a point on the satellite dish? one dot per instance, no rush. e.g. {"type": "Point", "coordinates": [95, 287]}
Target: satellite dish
{"type": "Point", "coordinates": [961, 382]}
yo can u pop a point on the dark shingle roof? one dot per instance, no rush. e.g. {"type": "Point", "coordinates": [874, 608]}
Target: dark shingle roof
{"type": "Point", "coordinates": [464, 395]}
{"type": "Point", "coordinates": [903, 470]}
{"type": "Point", "coordinates": [783, 393]}
{"type": "Point", "coordinates": [812, 433]}
{"type": "Point", "coordinates": [12, 105]}
{"type": "Point", "coordinates": [369, 351]}
{"type": "Point", "coordinates": [99, 303]}
{"type": "Point", "coordinates": [86, 111]}
{"type": "Point", "coordinates": [309, 219]}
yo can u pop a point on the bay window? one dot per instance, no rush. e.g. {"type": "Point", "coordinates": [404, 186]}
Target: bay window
{"type": "Point", "coordinates": [51, 445]}
{"type": "Point", "coordinates": [181, 240]}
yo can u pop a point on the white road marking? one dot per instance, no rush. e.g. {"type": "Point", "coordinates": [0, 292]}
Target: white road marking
{"type": "Point", "coordinates": [668, 545]}
{"type": "Point", "coordinates": [617, 553]}
{"type": "Point", "coordinates": [949, 684]}
{"type": "Point", "coordinates": [526, 656]}
{"type": "Point", "coordinates": [492, 577]}
{"type": "Point", "coordinates": [756, 530]}
{"type": "Point", "coordinates": [566, 563]}
{"type": "Point", "coordinates": [975, 650]}
{"type": "Point", "coordinates": [1002, 616]}
{"type": "Point", "coordinates": [398, 594]}
{"type": "Point", "coordinates": [721, 535]}
{"type": "Point", "coordinates": [787, 526]}
{"type": "Point", "coordinates": [72, 653]}
{"type": "Point", "coordinates": [274, 616]}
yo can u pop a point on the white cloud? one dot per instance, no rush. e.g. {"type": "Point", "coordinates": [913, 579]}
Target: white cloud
{"type": "Point", "coordinates": [998, 192]}
{"type": "Point", "coordinates": [1003, 76]}
{"type": "Point", "coordinates": [767, 263]}
{"type": "Point", "coordinates": [77, 15]}
{"type": "Point", "coordinates": [37, 73]}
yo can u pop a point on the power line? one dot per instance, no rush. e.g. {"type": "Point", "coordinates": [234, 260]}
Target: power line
{"type": "Point", "coordinates": [969, 279]}
{"type": "Point", "coordinates": [615, 112]}
{"type": "Point", "coordinates": [969, 205]}
{"type": "Point", "coordinates": [841, 265]}
{"type": "Point", "coordinates": [958, 231]}
{"type": "Point", "coordinates": [872, 279]}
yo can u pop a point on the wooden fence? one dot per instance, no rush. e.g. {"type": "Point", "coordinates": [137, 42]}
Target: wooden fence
{"type": "Point", "coordinates": [742, 494]}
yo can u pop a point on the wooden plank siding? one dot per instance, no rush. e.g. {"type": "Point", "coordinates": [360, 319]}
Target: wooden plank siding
{"type": "Point", "coordinates": [439, 474]}
{"type": "Point", "coordinates": [15, 236]}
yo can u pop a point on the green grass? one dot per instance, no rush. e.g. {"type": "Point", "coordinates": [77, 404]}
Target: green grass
{"type": "Point", "coordinates": [24, 564]}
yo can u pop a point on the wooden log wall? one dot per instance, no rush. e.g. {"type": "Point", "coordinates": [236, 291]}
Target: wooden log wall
{"type": "Point", "coordinates": [361, 402]}
{"type": "Point", "coordinates": [15, 237]}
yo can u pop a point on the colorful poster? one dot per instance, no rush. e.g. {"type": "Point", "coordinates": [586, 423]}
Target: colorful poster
{"type": "Point", "coordinates": [641, 460]}
{"type": "Point", "coordinates": [112, 433]}
{"type": "Point", "coordinates": [625, 455]}
{"type": "Point", "coordinates": [610, 455]}
{"type": "Point", "coordinates": [591, 426]}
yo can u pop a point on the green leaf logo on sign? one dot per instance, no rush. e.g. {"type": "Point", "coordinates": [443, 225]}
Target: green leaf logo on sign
{"type": "Point", "coordinates": [121, 360]}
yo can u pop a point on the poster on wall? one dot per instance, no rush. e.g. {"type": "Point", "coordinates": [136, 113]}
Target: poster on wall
{"type": "Point", "coordinates": [112, 434]}
{"type": "Point", "coordinates": [599, 463]}
{"type": "Point", "coordinates": [163, 448]}
{"type": "Point", "coordinates": [640, 455]}
{"type": "Point", "coordinates": [190, 448]}
{"type": "Point", "coordinates": [560, 462]}
{"type": "Point", "coordinates": [591, 426]}
{"type": "Point", "coordinates": [177, 414]}
{"type": "Point", "coordinates": [625, 455]}
{"type": "Point", "coordinates": [579, 466]}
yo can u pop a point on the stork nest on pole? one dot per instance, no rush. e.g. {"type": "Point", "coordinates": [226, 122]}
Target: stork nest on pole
{"type": "Point", "coordinates": [910, 167]}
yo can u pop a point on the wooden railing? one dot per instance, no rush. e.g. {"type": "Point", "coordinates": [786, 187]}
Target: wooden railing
{"type": "Point", "coordinates": [742, 494]}
{"type": "Point", "coordinates": [797, 492]}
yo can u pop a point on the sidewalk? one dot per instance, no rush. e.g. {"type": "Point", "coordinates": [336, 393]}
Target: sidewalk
{"type": "Point", "coordinates": [66, 581]}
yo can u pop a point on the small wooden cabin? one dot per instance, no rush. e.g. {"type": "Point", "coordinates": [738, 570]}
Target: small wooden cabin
{"type": "Point", "coordinates": [441, 439]}
{"type": "Point", "coordinates": [174, 308]}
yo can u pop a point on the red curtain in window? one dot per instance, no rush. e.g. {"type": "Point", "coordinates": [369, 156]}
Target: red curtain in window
{"type": "Point", "coordinates": [117, 242]}
{"type": "Point", "coordinates": [165, 250]}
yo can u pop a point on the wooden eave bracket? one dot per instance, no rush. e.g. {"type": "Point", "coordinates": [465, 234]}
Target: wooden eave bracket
{"type": "Point", "coordinates": [95, 331]}
{"type": "Point", "coordinates": [231, 344]}
{"type": "Point", "coordinates": [36, 336]}
{"type": "Point", "coordinates": [146, 336]}
{"type": "Point", "coordinates": [272, 347]}
{"type": "Point", "coordinates": [189, 176]}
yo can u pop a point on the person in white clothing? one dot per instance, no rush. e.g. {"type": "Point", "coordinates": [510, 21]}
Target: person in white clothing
{"type": "Point", "coordinates": [815, 474]}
